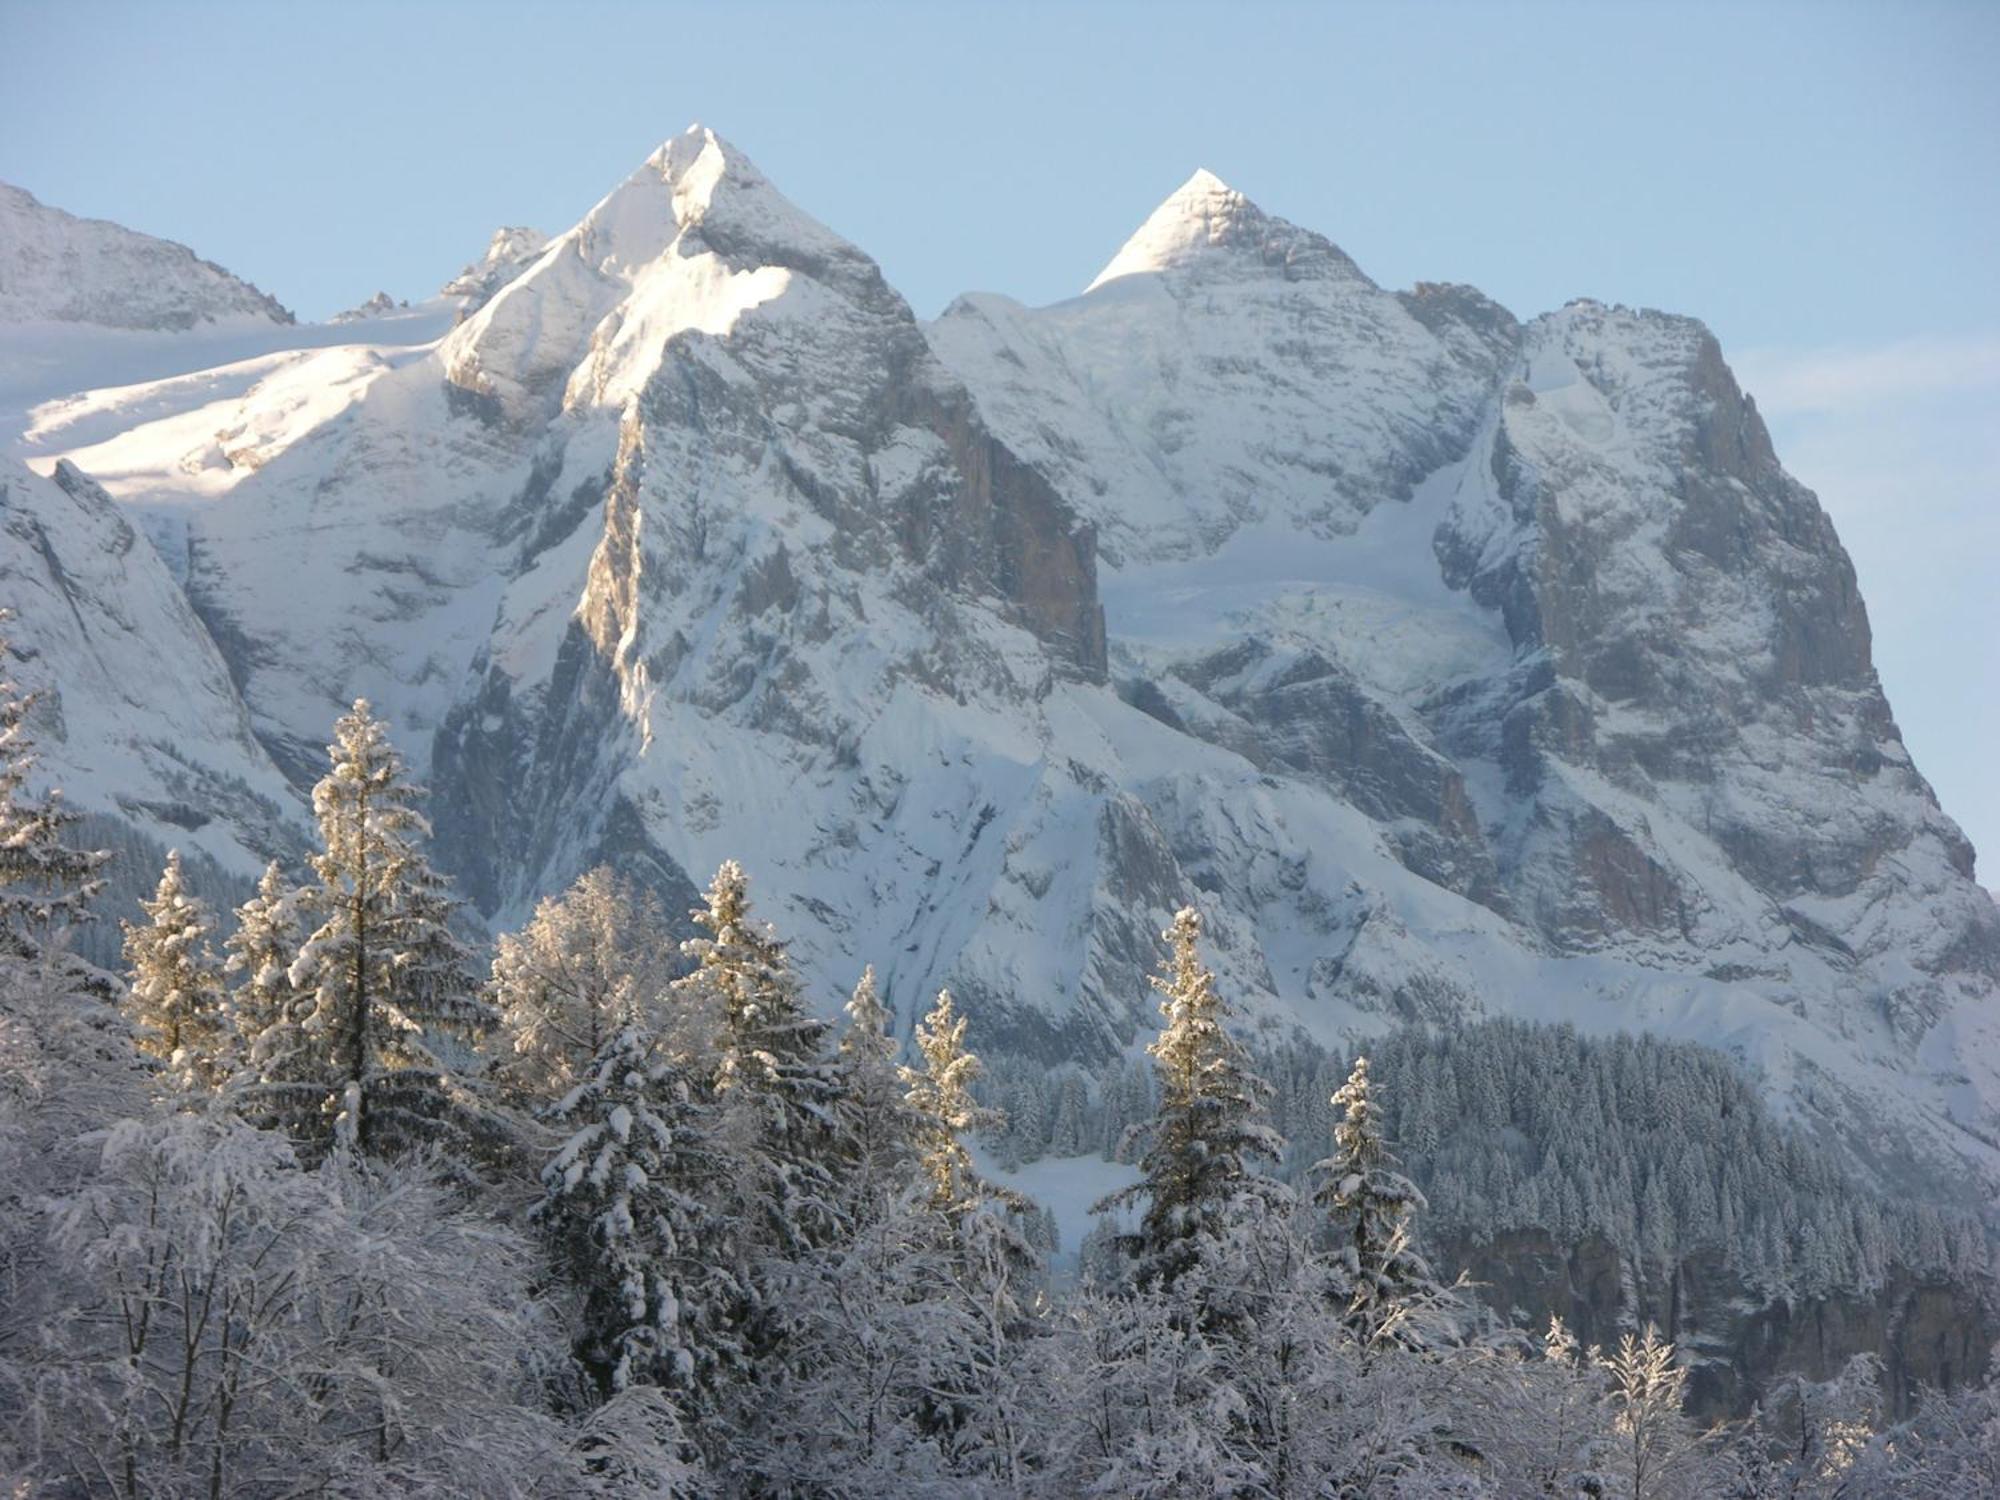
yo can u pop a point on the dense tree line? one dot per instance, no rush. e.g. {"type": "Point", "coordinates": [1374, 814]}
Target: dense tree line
{"type": "Point", "coordinates": [1663, 1149]}
{"type": "Point", "coordinates": [316, 1206]}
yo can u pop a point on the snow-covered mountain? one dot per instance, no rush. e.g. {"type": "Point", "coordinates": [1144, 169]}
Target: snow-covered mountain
{"type": "Point", "coordinates": [55, 267]}
{"type": "Point", "coordinates": [1541, 600]}
{"type": "Point", "coordinates": [1457, 666]}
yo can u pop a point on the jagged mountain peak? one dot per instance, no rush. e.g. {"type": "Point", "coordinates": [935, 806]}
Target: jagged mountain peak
{"type": "Point", "coordinates": [697, 156]}
{"type": "Point", "coordinates": [1207, 225]}
{"type": "Point", "coordinates": [1204, 181]}
{"type": "Point", "coordinates": [1205, 200]}
{"type": "Point", "coordinates": [510, 252]}
{"type": "Point", "coordinates": [1201, 215]}
{"type": "Point", "coordinates": [698, 184]}
{"type": "Point", "coordinates": [692, 240]}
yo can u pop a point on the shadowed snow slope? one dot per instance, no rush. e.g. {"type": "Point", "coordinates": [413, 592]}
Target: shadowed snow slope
{"type": "Point", "coordinates": [1455, 665]}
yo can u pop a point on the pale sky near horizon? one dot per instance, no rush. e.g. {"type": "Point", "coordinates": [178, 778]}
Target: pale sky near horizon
{"type": "Point", "coordinates": [1819, 182]}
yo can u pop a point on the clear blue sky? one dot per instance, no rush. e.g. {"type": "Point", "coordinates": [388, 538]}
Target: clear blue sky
{"type": "Point", "coordinates": [1820, 182]}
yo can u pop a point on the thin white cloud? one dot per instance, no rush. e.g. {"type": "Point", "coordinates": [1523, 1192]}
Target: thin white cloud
{"type": "Point", "coordinates": [1787, 381]}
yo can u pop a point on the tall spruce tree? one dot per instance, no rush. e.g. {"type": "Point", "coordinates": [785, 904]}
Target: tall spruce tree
{"type": "Point", "coordinates": [943, 1111]}
{"type": "Point", "coordinates": [1370, 1205]}
{"type": "Point", "coordinates": [259, 956]}
{"type": "Point", "coordinates": [280, 1064]}
{"type": "Point", "coordinates": [1207, 1133]}
{"type": "Point", "coordinates": [877, 1120]}
{"type": "Point", "coordinates": [625, 1201]}
{"type": "Point", "coordinates": [175, 998]}
{"type": "Point", "coordinates": [393, 1004]}
{"type": "Point", "coordinates": [781, 1093]}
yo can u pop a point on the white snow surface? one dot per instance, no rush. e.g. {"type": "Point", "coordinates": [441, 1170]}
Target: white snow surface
{"type": "Point", "coordinates": [650, 558]}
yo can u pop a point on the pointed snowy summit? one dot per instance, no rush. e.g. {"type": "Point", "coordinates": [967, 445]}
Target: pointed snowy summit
{"type": "Point", "coordinates": [1202, 214]}
{"type": "Point", "coordinates": [1205, 223]}
{"type": "Point", "coordinates": [692, 240]}
{"type": "Point", "coordinates": [698, 183]}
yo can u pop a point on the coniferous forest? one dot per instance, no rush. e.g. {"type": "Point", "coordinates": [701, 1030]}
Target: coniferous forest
{"type": "Point", "coordinates": [315, 1198]}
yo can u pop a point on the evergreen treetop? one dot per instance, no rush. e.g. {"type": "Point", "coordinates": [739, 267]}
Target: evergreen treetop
{"type": "Point", "coordinates": [1371, 1205]}
{"type": "Point", "coordinates": [1207, 1133]}
{"type": "Point", "coordinates": [782, 1094]}
{"type": "Point", "coordinates": [940, 1100]}
{"type": "Point", "coordinates": [624, 1199]}
{"type": "Point", "coordinates": [878, 1122]}
{"type": "Point", "coordinates": [392, 1006]}
{"type": "Point", "coordinates": [259, 955]}
{"type": "Point", "coordinates": [176, 1000]}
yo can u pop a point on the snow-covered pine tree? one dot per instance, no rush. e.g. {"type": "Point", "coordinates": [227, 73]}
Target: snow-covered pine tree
{"type": "Point", "coordinates": [984, 1260]}
{"type": "Point", "coordinates": [1067, 1132]}
{"type": "Point", "coordinates": [46, 886]}
{"type": "Point", "coordinates": [588, 957]}
{"type": "Point", "coordinates": [624, 1201]}
{"type": "Point", "coordinates": [393, 1004]}
{"type": "Point", "coordinates": [1207, 1132]}
{"type": "Point", "coordinates": [268, 1010]}
{"type": "Point", "coordinates": [175, 998]}
{"type": "Point", "coordinates": [781, 1092]}
{"type": "Point", "coordinates": [940, 1100]}
{"type": "Point", "coordinates": [1395, 1297]}
{"type": "Point", "coordinates": [877, 1121]}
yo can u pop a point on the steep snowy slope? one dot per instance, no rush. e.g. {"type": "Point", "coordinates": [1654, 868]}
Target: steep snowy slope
{"type": "Point", "coordinates": [1457, 666]}
{"type": "Point", "coordinates": [55, 267]}
{"type": "Point", "coordinates": [138, 720]}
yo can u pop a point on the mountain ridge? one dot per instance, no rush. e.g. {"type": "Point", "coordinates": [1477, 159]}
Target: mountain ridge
{"type": "Point", "coordinates": [51, 264]}
{"type": "Point", "coordinates": [1464, 665]}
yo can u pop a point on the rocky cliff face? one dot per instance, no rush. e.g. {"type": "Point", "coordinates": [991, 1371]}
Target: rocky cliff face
{"type": "Point", "coordinates": [94, 615]}
{"type": "Point", "coordinates": [1539, 600]}
{"type": "Point", "coordinates": [1700, 732]}
{"type": "Point", "coordinates": [1456, 665]}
